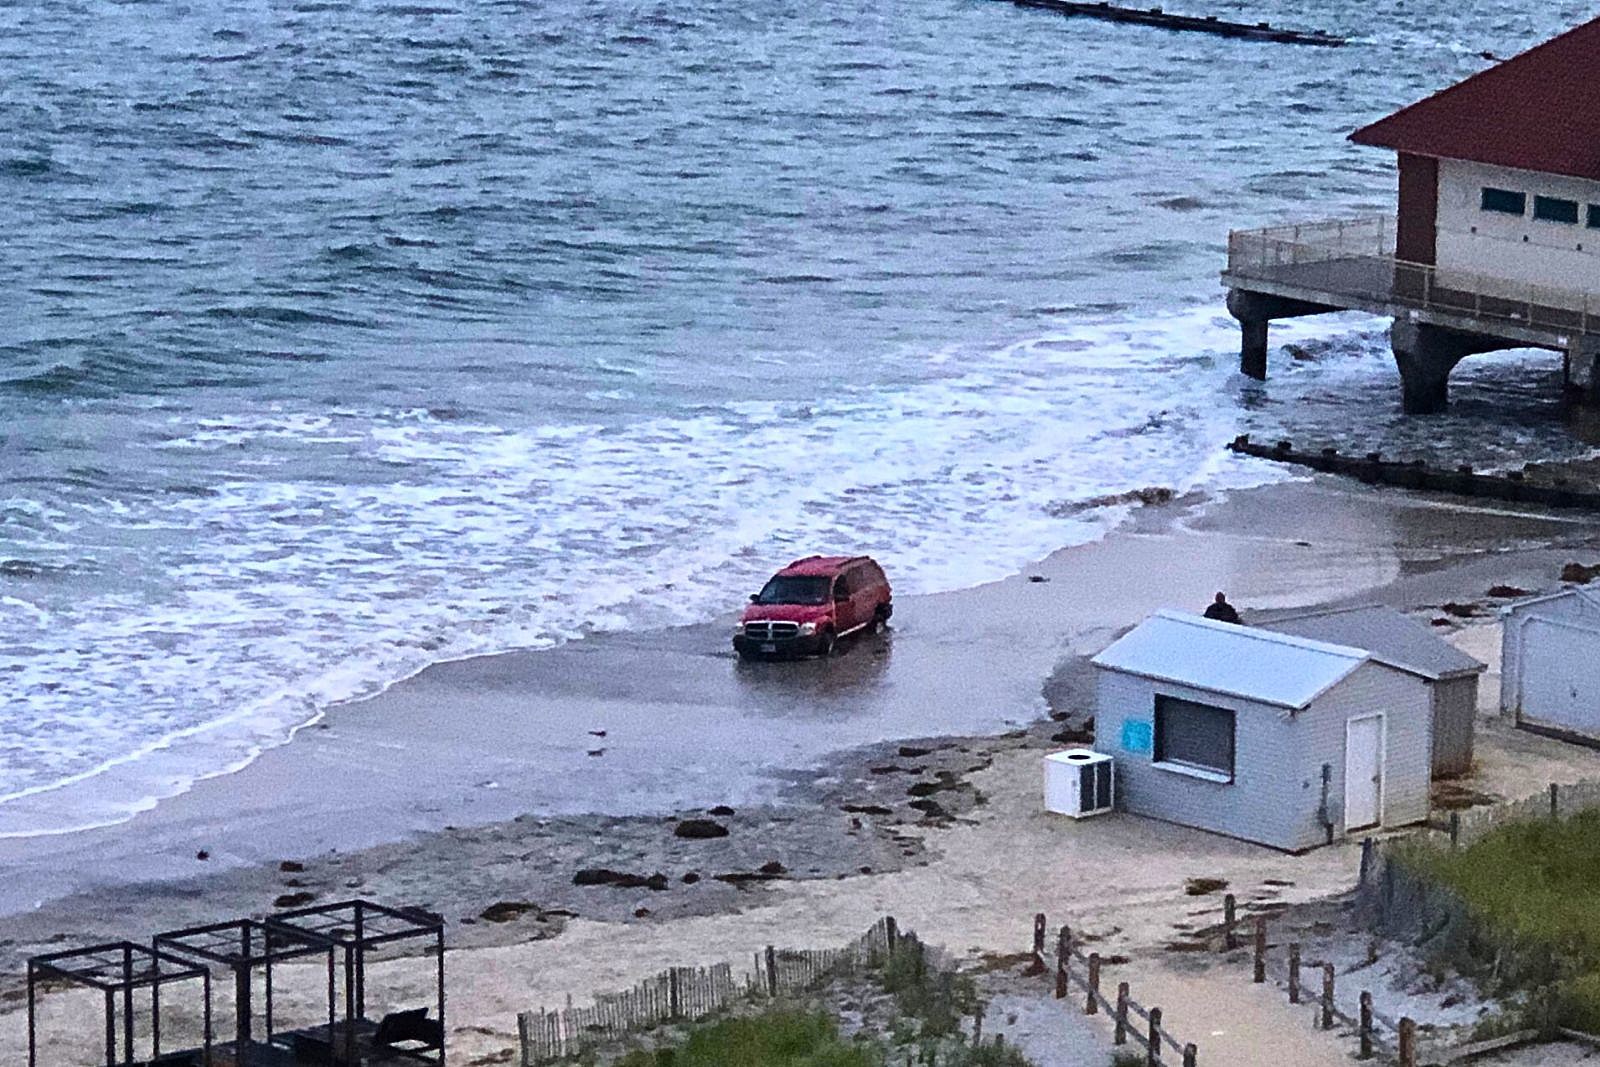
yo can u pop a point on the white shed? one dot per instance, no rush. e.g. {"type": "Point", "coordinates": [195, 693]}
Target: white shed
{"type": "Point", "coordinates": [1259, 735]}
{"type": "Point", "coordinates": [1550, 664]}
{"type": "Point", "coordinates": [1403, 642]}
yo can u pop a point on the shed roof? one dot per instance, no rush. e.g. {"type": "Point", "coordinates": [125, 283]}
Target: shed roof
{"type": "Point", "coordinates": [1538, 111]}
{"type": "Point", "coordinates": [1587, 599]}
{"type": "Point", "coordinates": [1239, 661]}
{"type": "Point", "coordinates": [1395, 639]}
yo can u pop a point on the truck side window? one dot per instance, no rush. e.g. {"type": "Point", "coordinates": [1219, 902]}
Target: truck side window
{"type": "Point", "coordinates": [842, 587]}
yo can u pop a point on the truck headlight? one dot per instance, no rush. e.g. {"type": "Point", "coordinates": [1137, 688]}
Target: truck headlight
{"type": "Point", "coordinates": [808, 628]}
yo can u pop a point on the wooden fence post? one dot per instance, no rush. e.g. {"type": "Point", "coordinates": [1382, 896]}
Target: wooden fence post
{"type": "Point", "coordinates": [1369, 849]}
{"type": "Point", "coordinates": [977, 1026]}
{"type": "Point", "coordinates": [772, 971]}
{"type": "Point", "coordinates": [891, 932]}
{"type": "Point", "coordinates": [1327, 996]}
{"type": "Point", "coordinates": [1261, 949]}
{"type": "Point", "coordinates": [1038, 943]}
{"type": "Point", "coordinates": [1153, 1052]}
{"type": "Point", "coordinates": [1191, 1055]}
{"type": "Point", "coordinates": [1063, 955]}
{"type": "Point", "coordinates": [1555, 801]}
{"type": "Point", "coordinates": [1092, 1003]}
{"type": "Point", "coordinates": [1120, 1037]}
{"type": "Point", "coordinates": [1228, 916]}
{"type": "Point", "coordinates": [1366, 1025]}
{"type": "Point", "coordinates": [1455, 830]}
{"type": "Point", "coordinates": [1294, 973]}
{"type": "Point", "coordinates": [1408, 1042]}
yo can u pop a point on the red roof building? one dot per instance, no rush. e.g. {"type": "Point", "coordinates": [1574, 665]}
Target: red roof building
{"type": "Point", "coordinates": [1495, 243]}
{"type": "Point", "coordinates": [1538, 112]}
{"type": "Point", "coordinates": [1500, 174]}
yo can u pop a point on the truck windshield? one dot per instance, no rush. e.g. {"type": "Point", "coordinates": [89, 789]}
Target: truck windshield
{"type": "Point", "coordinates": [794, 590]}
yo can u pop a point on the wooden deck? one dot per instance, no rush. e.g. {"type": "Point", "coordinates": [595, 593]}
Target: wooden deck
{"type": "Point", "coordinates": [1383, 286]}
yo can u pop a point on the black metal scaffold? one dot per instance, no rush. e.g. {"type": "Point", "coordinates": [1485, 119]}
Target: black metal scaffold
{"type": "Point", "coordinates": [354, 928]}
{"type": "Point", "coordinates": [117, 969]}
{"type": "Point", "coordinates": [341, 936]}
{"type": "Point", "coordinates": [245, 946]}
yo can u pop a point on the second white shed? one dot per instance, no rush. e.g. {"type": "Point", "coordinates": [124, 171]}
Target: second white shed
{"type": "Point", "coordinates": [1550, 664]}
{"type": "Point", "coordinates": [1403, 642]}
{"type": "Point", "coordinates": [1259, 735]}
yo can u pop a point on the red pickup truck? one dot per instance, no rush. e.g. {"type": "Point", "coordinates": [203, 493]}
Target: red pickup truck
{"type": "Point", "coordinates": [804, 609]}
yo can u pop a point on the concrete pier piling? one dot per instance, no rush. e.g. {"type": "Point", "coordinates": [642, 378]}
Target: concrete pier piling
{"type": "Point", "coordinates": [1426, 355]}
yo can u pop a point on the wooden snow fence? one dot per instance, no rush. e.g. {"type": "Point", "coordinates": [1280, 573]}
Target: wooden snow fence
{"type": "Point", "coordinates": [1311, 981]}
{"type": "Point", "coordinates": [688, 994]}
{"type": "Point", "coordinates": [1161, 1049]}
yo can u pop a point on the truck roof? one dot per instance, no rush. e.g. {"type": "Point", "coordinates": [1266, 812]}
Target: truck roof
{"type": "Point", "coordinates": [819, 566]}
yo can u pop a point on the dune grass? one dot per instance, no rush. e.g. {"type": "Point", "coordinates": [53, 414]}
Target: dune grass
{"type": "Point", "coordinates": [775, 1039]}
{"type": "Point", "coordinates": [925, 1027]}
{"type": "Point", "coordinates": [1532, 894]}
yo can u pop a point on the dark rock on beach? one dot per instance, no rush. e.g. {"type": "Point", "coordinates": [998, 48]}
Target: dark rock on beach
{"type": "Point", "coordinates": [1579, 574]}
{"type": "Point", "coordinates": [506, 911]}
{"type": "Point", "coordinates": [699, 829]}
{"type": "Point", "coordinates": [619, 879]}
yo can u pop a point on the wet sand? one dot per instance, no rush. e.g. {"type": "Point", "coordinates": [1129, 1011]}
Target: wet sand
{"type": "Point", "coordinates": [415, 796]}
{"type": "Point", "coordinates": [686, 725]}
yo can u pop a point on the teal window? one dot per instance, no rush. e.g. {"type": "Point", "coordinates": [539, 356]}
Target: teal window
{"type": "Point", "coordinates": [1505, 201]}
{"type": "Point", "coordinates": [1594, 216]}
{"type": "Point", "coordinates": [1554, 209]}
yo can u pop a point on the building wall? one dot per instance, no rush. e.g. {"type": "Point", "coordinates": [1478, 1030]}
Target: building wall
{"type": "Point", "coordinates": [1574, 607]}
{"type": "Point", "coordinates": [1455, 715]}
{"type": "Point", "coordinates": [1276, 793]}
{"type": "Point", "coordinates": [1416, 234]}
{"type": "Point", "coordinates": [1525, 250]}
{"type": "Point", "coordinates": [1407, 704]}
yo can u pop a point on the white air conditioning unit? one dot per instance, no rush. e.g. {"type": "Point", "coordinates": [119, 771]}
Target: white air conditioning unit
{"type": "Point", "coordinates": [1077, 782]}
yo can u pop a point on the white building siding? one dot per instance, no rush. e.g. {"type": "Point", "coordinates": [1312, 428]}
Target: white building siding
{"type": "Point", "coordinates": [1525, 250]}
{"type": "Point", "coordinates": [1276, 796]}
{"type": "Point", "coordinates": [1576, 606]}
{"type": "Point", "coordinates": [1406, 703]}
{"type": "Point", "coordinates": [1455, 715]}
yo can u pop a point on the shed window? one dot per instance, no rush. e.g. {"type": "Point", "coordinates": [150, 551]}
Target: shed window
{"type": "Point", "coordinates": [1594, 216]}
{"type": "Point", "coordinates": [1505, 201]}
{"type": "Point", "coordinates": [1554, 209]}
{"type": "Point", "coordinates": [1194, 735]}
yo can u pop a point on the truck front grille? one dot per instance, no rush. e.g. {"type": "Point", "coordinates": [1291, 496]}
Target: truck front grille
{"type": "Point", "coordinates": [772, 631]}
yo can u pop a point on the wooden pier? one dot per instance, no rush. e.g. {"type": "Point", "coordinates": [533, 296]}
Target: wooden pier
{"type": "Point", "coordinates": [1155, 16]}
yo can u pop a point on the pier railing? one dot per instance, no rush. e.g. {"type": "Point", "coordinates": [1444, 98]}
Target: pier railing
{"type": "Point", "coordinates": [1352, 262]}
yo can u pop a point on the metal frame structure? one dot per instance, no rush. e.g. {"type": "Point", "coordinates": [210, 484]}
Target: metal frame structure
{"type": "Point", "coordinates": [243, 946]}
{"type": "Point", "coordinates": [354, 927]}
{"type": "Point", "coordinates": [118, 967]}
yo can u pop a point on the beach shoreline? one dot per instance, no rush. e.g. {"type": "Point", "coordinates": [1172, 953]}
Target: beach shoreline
{"type": "Point", "coordinates": [480, 784]}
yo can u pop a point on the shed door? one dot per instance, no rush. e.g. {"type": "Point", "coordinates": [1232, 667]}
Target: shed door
{"type": "Point", "coordinates": [1363, 772]}
{"type": "Point", "coordinates": [1560, 687]}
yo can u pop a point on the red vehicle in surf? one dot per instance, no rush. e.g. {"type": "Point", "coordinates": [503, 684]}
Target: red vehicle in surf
{"type": "Point", "coordinates": [805, 609]}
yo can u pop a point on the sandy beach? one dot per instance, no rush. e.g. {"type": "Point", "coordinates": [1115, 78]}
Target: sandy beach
{"type": "Point", "coordinates": [487, 781]}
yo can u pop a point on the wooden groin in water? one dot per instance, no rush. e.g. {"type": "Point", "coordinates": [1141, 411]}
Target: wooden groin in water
{"type": "Point", "coordinates": [1155, 16]}
{"type": "Point", "coordinates": [1373, 469]}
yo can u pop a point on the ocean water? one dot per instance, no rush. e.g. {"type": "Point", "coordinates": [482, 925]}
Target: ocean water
{"type": "Point", "coordinates": [346, 337]}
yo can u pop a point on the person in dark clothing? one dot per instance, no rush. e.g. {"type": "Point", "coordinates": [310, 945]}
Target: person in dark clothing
{"type": "Point", "coordinates": [1222, 611]}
